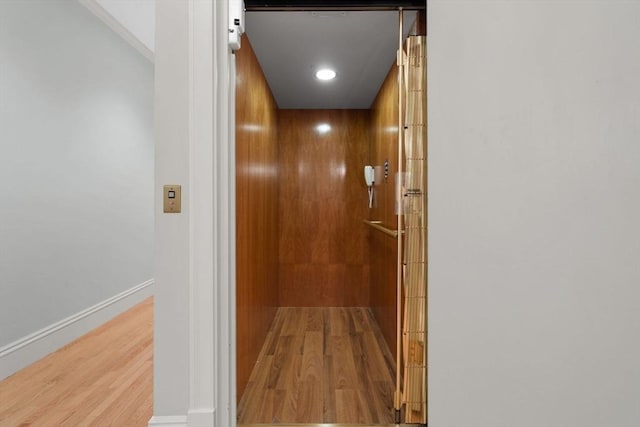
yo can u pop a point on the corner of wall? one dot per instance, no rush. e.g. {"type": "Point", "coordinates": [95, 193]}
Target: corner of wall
{"type": "Point", "coordinates": [26, 350]}
{"type": "Point", "coordinates": [94, 7]}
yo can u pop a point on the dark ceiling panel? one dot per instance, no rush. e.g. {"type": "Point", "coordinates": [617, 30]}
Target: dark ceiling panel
{"type": "Point", "coordinates": [279, 5]}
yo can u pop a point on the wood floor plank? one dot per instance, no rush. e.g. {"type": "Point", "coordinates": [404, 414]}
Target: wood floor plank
{"type": "Point", "coordinates": [312, 356]}
{"type": "Point", "coordinates": [287, 364]}
{"type": "Point", "coordinates": [251, 404]}
{"type": "Point", "coordinates": [338, 323]}
{"type": "Point", "coordinates": [344, 370]}
{"type": "Point", "coordinates": [274, 332]}
{"type": "Point", "coordinates": [321, 371]}
{"type": "Point", "coordinates": [329, 396]}
{"type": "Point", "coordinates": [326, 318]}
{"type": "Point", "coordinates": [285, 407]}
{"type": "Point", "coordinates": [309, 402]}
{"type": "Point", "coordinates": [315, 319]}
{"type": "Point", "coordinates": [377, 366]}
{"type": "Point", "coordinates": [357, 346]}
{"type": "Point", "coordinates": [384, 399]}
{"type": "Point", "coordinates": [348, 408]}
{"type": "Point", "coordinates": [293, 322]}
{"type": "Point", "coordinates": [364, 387]}
{"type": "Point", "coordinates": [360, 319]}
{"type": "Point", "coordinates": [281, 359]}
{"type": "Point", "coordinates": [386, 352]}
{"type": "Point", "coordinates": [269, 347]}
{"type": "Point", "coordinates": [267, 407]}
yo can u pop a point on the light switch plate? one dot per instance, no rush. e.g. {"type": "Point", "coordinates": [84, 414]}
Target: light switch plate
{"type": "Point", "coordinates": [172, 199]}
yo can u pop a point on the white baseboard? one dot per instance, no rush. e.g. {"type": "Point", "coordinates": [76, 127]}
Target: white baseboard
{"type": "Point", "coordinates": [26, 350]}
{"type": "Point", "coordinates": [195, 418]}
{"type": "Point", "coordinates": [169, 421]}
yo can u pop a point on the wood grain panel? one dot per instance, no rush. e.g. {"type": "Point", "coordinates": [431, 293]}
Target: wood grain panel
{"type": "Point", "coordinates": [382, 248]}
{"type": "Point", "coordinates": [256, 210]}
{"type": "Point", "coordinates": [324, 259]}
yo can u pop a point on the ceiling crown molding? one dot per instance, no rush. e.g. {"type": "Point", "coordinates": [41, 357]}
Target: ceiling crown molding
{"type": "Point", "coordinates": [117, 27]}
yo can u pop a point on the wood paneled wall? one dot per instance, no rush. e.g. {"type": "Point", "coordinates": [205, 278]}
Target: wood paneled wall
{"type": "Point", "coordinates": [256, 210]}
{"type": "Point", "coordinates": [324, 256]}
{"type": "Point", "coordinates": [383, 248]}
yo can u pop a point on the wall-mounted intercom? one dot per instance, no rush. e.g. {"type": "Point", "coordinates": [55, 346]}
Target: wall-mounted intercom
{"type": "Point", "coordinates": [369, 179]}
{"type": "Point", "coordinates": [236, 23]}
{"type": "Point", "coordinates": [172, 199]}
{"type": "Point", "coordinates": [369, 175]}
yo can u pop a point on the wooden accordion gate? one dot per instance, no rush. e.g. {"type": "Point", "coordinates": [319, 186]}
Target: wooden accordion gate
{"type": "Point", "coordinates": [414, 212]}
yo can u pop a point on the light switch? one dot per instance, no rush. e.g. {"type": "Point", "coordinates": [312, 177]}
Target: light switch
{"type": "Point", "coordinates": [172, 199]}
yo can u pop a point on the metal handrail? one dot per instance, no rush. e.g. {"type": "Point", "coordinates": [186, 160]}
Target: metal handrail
{"type": "Point", "coordinates": [378, 226]}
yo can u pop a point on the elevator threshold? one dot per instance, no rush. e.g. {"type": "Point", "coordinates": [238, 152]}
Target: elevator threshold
{"type": "Point", "coordinates": [321, 366]}
{"type": "Point", "coordinates": [324, 425]}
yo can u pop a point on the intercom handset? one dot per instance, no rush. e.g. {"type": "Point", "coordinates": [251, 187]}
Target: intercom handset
{"type": "Point", "coordinates": [369, 179]}
{"type": "Point", "coordinates": [369, 175]}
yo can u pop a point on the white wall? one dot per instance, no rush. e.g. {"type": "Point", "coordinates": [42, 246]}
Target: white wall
{"type": "Point", "coordinates": [76, 166]}
{"type": "Point", "coordinates": [171, 314]}
{"type": "Point", "coordinates": [534, 175]}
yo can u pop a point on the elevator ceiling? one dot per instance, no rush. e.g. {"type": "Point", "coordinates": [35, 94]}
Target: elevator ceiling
{"type": "Point", "coordinates": [359, 45]}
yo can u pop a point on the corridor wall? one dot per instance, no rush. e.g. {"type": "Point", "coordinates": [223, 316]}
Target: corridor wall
{"type": "Point", "coordinates": [76, 224]}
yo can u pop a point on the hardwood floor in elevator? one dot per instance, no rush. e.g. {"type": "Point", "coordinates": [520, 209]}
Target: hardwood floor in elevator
{"type": "Point", "coordinates": [321, 365]}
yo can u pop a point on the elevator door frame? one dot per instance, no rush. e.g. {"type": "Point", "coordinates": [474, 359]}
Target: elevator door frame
{"type": "Point", "coordinates": [232, 285]}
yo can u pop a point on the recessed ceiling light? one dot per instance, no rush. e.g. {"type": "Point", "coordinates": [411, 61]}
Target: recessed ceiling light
{"type": "Point", "coordinates": [325, 74]}
{"type": "Point", "coordinates": [323, 128]}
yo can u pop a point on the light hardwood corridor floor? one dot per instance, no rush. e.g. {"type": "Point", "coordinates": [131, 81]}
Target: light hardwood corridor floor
{"type": "Point", "coordinates": [321, 365]}
{"type": "Point", "coordinates": [104, 378]}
